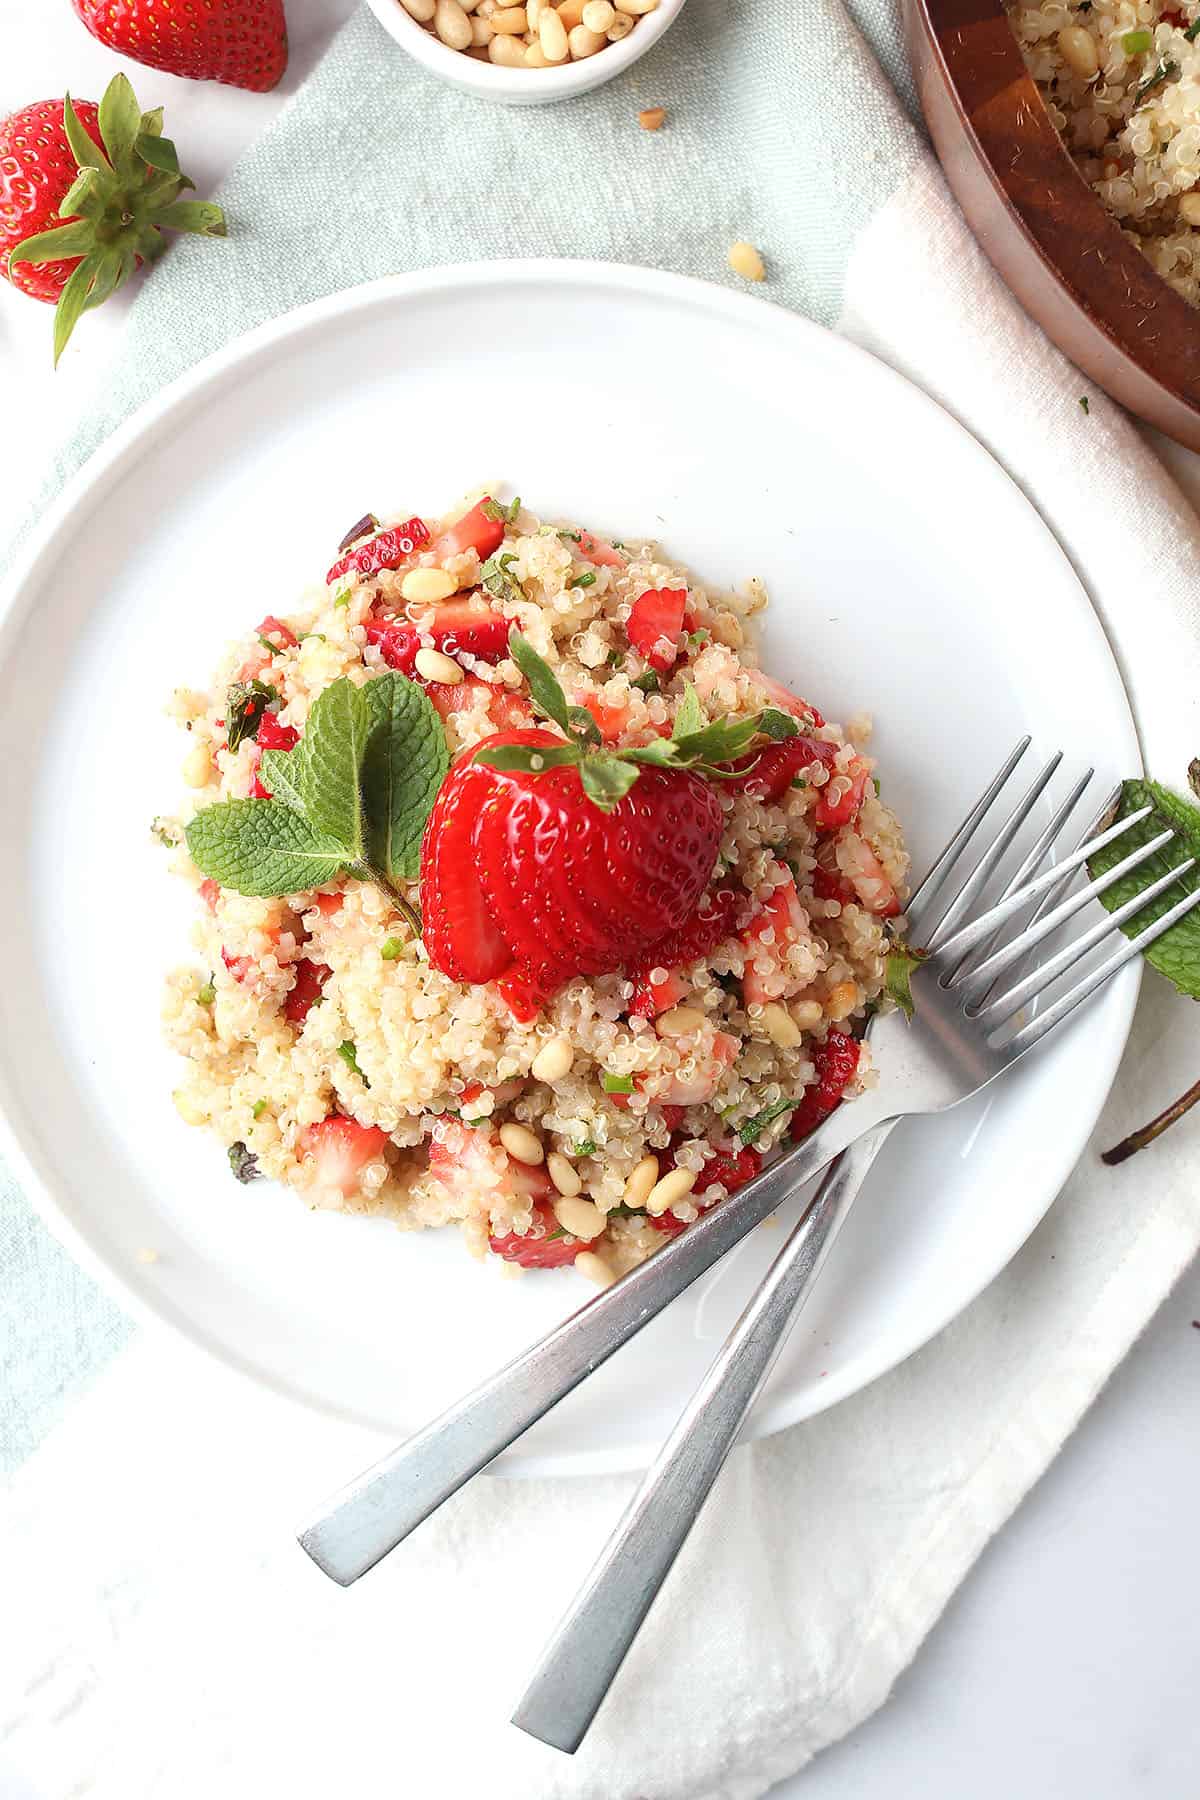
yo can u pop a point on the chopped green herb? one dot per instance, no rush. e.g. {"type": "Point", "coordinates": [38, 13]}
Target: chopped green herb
{"type": "Point", "coordinates": [647, 683]}
{"type": "Point", "coordinates": [621, 1211]}
{"type": "Point", "coordinates": [342, 598]}
{"type": "Point", "coordinates": [258, 1109]}
{"type": "Point", "coordinates": [550, 1236]}
{"type": "Point", "coordinates": [392, 949]}
{"type": "Point", "coordinates": [500, 515]}
{"type": "Point", "coordinates": [207, 994]}
{"type": "Point", "coordinates": [752, 1129]}
{"type": "Point", "coordinates": [305, 635]}
{"type": "Point", "coordinates": [1192, 31]}
{"type": "Point", "coordinates": [1136, 43]}
{"type": "Point", "coordinates": [495, 577]}
{"type": "Point", "coordinates": [267, 645]}
{"type": "Point", "coordinates": [479, 1119]}
{"type": "Point", "coordinates": [588, 1147]}
{"type": "Point", "coordinates": [614, 659]}
{"type": "Point", "coordinates": [245, 704]}
{"type": "Point", "coordinates": [573, 537]}
{"type": "Point", "coordinates": [901, 962]}
{"type": "Point", "coordinates": [1085, 403]}
{"type": "Point", "coordinates": [243, 1162]}
{"type": "Point", "coordinates": [696, 638]}
{"type": "Point", "coordinates": [160, 829]}
{"type": "Point", "coordinates": [617, 1084]}
{"type": "Point", "coordinates": [584, 580]}
{"type": "Point", "coordinates": [799, 781]}
{"type": "Point", "coordinates": [876, 786]}
{"type": "Point", "coordinates": [1166, 70]}
{"type": "Point", "coordinates": [349, 1055]}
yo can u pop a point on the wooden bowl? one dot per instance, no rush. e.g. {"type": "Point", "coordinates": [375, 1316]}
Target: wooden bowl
{"type": "Point", "coordinates": [1063, 256]}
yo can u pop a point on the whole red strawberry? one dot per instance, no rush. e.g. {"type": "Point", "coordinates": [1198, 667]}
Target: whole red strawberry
{"type": "Point", "coordinates": [242, 42]}
{"type": "Point", "coordinates": [549, 856]}
{"type": "Point", "coordinates": [85, 194]}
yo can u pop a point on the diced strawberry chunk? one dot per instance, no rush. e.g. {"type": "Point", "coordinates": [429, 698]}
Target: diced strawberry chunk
{"type": "Point", "coordinates": [329, 904]}
{"type": "Point", "coordinates": [281, 635]}
{"type": "Point", "coordinates": [306, 991]}
{"type": "Point", "coordinates": [768, 938]}
{"type": "Point", "coordinates": [210, 893]}
{"type": "Point", "coordinates": [654, 625]}
{"type": "Point", "coordinates": [544, 1246]}
{"type": "Point", "coordinates": [474, 531]}
{"type": "Point", "coordinates": [732, 1169]}
{"type": "Point", "coordinates": [836, 1062]}
{"type": "Point", "coordinates": [341, 1148]}
{"type": "Point", "coordinates": [653, 997]}
{"type": "Point", "coordinates": [274, 736]}
{"type": "Point", "coordinates": [398, 643]}
{"type": "Point", "coordinates": [702, 1087]}
{"type": "Point", "coordinates": [831, 814]}
{"type": "Point", "coordinates": [391, 549]}
{"type": "Point", "coordinates": [672, 1119]}
{"type": "Point", "coordinates": [870, 884]}
{"type": "Point", "coordinates": [508, 711]}
{"type": "Point", "coordinates": [668, 1224]}
{"type": "Point", "coordinates": [239, 966]}
{"type": "Point", "coordinates": [768, 773]}
{"type": "Point", "coordinates": [465, 626]}
{"type": "Point", "coordinates": [522, 993]}
{"type": "Point", "coordinates": [594, 550]}
{"type": "Point", "coordinates": [611, 721]}
{"type": "Point", "coordinates": [831, 887]}
{"type": "Point", "coordinates": [253, 667]}
{"type": "Point", "coordinates": [786, 701]}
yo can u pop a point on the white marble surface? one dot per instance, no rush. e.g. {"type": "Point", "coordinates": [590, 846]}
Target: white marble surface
{"type": "Point", "coordinates": [1065, 1667]}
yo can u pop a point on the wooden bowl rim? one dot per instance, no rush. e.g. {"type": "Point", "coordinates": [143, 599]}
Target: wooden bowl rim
{"type": "Point", "coordinates": [1063, 255]}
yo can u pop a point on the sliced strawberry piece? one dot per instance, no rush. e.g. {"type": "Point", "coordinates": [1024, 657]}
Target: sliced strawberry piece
{"type": "Point", "coordinates": [870, 884]}
{"type": "Point", "coordinates": [398, 643]}
{"type": "Point", "coordinates": [460, 936]}
{"type": "Point", "coordinates": [830, 814]}
{"type": "Point", "coordinates": [341, 1148]}
{"type": "Point", "coordinates": [508, 711]}
{"type": "Point", "coordinates": [831, 887]}
{"type": "Point", "coordinates": [653, 997]}
{"type": "Point", "coordinates": [544, 1246]}
{"type": "Point", "coordinates": [522, 993]}
{"type": "Point", "coordinates": [210, 892]}
{"type": "Point", "coordinates": [654, 625]}
{"type": "Point", "coordinates": [733, 1169]}
{"type": "Point", "coordinates": [328, 905]}
{"type": "Point", "coordinates": [767, 940]}
{"type": "Point", "coordinates": [474, 531]}
{"type": "Point", "coordinates": [306, 990]}
{"type": "Point", "coordinates": [788, 702]}
{"type": "Point", "coordinates": [769, 773]}
{"type": "Point", "coordinates": [239, 966]}
{"type": "Point", "coordinates": [611, 721]}
{"type": "Point", "coordinates": [595, 550]}
{"type": "Point", "coordinates": [391, 549]}
{"type": "Point", "coordinates": [836, 1062]}
{"type": "Point", "coordinates": [467, 626]}
{"type": "Point", "coordinates": [281, 635]}
{"type": "Point", "coordinates": [274, 736]}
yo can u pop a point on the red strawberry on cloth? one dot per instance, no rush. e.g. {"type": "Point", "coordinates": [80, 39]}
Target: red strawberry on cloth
{"type": "Point", "coordinates": [86, 193]}
{"type": "Point", "coordinates": [242, 42]}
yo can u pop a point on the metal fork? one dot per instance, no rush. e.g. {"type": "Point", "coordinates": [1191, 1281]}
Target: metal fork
{"type": "Point", "coordinates": [940, 1059]}
{"type": "Point", "coordinates": [583, 1658]}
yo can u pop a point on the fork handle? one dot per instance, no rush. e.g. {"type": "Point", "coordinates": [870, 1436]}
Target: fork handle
{"type": "Point", "coordinates": [590, 1645]}
{"type": "Point", "coordinates": [377, 1511]}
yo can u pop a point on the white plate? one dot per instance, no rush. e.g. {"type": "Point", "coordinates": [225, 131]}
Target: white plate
{"type": "Point", "coordinates": [908, 576]}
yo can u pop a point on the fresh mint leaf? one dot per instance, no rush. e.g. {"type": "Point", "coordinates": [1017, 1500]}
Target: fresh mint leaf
{"type": "Point", "coordinates": [403, 766]}
{"type": "Point", "coordinates": [245, 704]}
{"type": "Point", "coordinates": [326, 765]}
{"type": "Point", "coordinates": [752, 1129]}
{"type": "Point", "coordinates": [690, 717]}
{"type": "Point", "coordinates": [280, 772]}
{"type": "Point", "coordinates": [546, 693]}
{"type": "Point", "coordinates": [776, 725]}
{"type": "Point", "coordinates": [1177, 954]}
{"type": "Point", "coordinates": [262, 847]}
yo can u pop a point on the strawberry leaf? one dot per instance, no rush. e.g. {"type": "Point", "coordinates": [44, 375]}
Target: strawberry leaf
{"type": "Point", "coordinates": [1177, 953]}
{"type": "Point", "coordinates": [403, 766]}
{"type": "Point", "coordinates": [544, 689]}
{"type": "Point", "coordinates": [158, 153]}
{"type": "Point", "coordinates": [690, 718]}
{"type": "Point", "coordinates": [258, 847]}
{"type": "Point", "coordinates": [606, 779]}
{"type": "Point", "coordinates": [193, 215]}
{"type": "Point", "coordinates": [76, 238]}
{"type": "Point", "coordinates": [86, 197]}
{"type": "Point", "coordinates": [120, 124]}
{"type": "Point", "coordinates": [71, 304]}
{"type": "Point", "coordinates": [87, 154]}
{"type": "Point", "coordinates": [527, 759]}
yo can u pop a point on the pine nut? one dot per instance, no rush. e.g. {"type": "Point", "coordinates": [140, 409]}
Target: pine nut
{"type": "Point", "coordinates": [595, 1268]}
{"type": "Point", "coordinates": [436, 667]}
{"type": "Point", "coordinates": [533, 12]}
{"type": "Point", "coordinates": [552, 36]}
{"type": "Point", "coordinates": [571, 13]}
{"type": "Point", "coordinates": [780, 1026]}
{"type": "Point", "coordinates": [535, 56]}
{"type": "Point", "coordinates": [745, 261]}
{"type": "Point", "coordinates": [598, 15]}
{"type": "Point", "coordinates": [637, 7]}
{"type": "Point", "coordinates": [420, 10]}
{"type": "Point", "coordinates": [508, 52]}
{"type": "Point", "coordinates": [620, 28]}
{"type": "Point", "coordinates": [430, 585]}
{"type": "Point", "coordinates": [1189, 208]}
{"type": "Point", "coordinates": [584, 42]}
{"type": "Point", "coordinates": [675, 1185]}
{"type": "Point", "coordinates": [680, 1021]}
{"type": "Point", "coordinates": [640, 1183]}
{"type": "Point", "coordinates": [198, 766]}
{"type": "Point", "coordinates": [563, 1174]}
{"type": "Point", "coordinates": [522, 1143]}
{"type": "Point", "coordinates": [580, 1217]}
{"type": "Point", "coordinates": [1078, 49]}
{"type": "Point", "coordinates": [452, 24]}
{"type": "Point", "coordinates": [510, 21]}
{"type": "Point", "coordinates": [481, 33]}
{"type": "Point", "coordinates": [651, 118]}
{"type": "Point", "coordinates": [553, 1060]}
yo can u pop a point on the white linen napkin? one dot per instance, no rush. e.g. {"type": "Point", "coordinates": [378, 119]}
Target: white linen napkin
{"type": "Point", "coordinates": [164, 1636]}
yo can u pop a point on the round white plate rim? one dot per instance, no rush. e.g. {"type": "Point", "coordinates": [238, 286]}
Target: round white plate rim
{"type": "Point", "coordinates": [126, 444]}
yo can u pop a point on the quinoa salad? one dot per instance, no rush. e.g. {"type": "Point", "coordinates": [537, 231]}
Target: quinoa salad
{"type": "Point", "coordinates": [525, 902]}
{"type": "Point", "coordinates": [1121, 80]}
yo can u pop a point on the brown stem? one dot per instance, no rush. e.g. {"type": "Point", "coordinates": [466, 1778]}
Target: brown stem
{"type": "Point", "coordinates": [1137, 1140]}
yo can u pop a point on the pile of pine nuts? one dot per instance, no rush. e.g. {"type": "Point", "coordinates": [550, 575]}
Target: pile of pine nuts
{"type": "Point", "coordinates": [535, 35]}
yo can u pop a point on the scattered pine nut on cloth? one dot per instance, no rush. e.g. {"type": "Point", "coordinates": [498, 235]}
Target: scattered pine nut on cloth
{"type": "Point", "coordinates": [121, 1658]}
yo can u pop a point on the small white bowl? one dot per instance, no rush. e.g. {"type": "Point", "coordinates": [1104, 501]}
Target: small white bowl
{"type": "Point", "coordinates": [523, 87]}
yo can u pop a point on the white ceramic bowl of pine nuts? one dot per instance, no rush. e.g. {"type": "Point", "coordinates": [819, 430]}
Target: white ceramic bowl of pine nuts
{"type": "Point", "coordinates": [527, 54]}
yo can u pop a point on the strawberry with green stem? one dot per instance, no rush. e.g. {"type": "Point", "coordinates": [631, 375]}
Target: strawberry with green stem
{"type": "Point", "coordinates": [86, 193]}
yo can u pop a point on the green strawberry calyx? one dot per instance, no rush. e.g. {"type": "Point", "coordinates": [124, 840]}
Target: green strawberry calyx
{"type": "Point", "coordinates": [695, 743]}
{"type": "Point", "coordinates": [117, 208]}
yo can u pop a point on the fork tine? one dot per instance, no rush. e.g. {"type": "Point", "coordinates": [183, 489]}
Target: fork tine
{"type": "Point", "coordinates": [988, 862]}
{"type": "Point", "coordinates": [925, 892]}
{"type": "Point", "coordinates": [1005, 1004]}
{"type": "Point", "coordinates": [975, 985]}
{"type": "Point", "coordinates": [1050, 897]}
{"type": "Point", "coordinates": [1133, 947]}
{"type": "Point", "coordinates": [1030, 863]}
{"type": "Point", "coordinates": [969, 936]}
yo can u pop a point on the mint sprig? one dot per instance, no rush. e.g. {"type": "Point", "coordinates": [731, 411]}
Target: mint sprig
{"type": "Point", "coordinates": [351, 798]}
{"type": "Point", "coordinates": [607, 775]}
